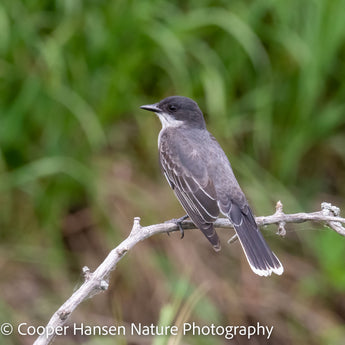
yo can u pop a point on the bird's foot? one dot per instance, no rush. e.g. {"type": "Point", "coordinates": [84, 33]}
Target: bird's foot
{"type": "Point", "coordinates": [178, 222]}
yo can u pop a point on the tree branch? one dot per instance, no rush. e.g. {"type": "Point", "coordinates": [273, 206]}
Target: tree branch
{"type": "Point", "coordinates": [97, 281]}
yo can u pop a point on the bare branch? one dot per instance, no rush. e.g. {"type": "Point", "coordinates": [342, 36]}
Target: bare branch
{"type": "Point", "coordinates": [329, 215]}
{"type": "Point", "coordinates": [97, 281]}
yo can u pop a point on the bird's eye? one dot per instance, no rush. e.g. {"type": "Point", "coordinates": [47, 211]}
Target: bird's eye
{"type": "Point", "coordinates": [172, 107]}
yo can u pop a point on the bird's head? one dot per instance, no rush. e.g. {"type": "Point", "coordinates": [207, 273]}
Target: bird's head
{"type": "Point", "coordinates": [175, 111]}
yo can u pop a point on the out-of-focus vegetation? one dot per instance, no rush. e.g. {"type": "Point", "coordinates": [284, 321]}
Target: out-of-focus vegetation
{"type": "Point", "coordinates": [78, 159]}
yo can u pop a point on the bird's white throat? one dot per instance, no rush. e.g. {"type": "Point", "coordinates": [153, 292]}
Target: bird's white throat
{"type": "Point", "coordinates": [168, 121]}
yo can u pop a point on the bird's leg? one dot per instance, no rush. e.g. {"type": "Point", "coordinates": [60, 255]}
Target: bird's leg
{"type": "Point", "coordinates": [178, 222]}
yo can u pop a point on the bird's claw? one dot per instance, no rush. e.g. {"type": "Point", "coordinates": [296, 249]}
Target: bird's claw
{"type": "Point", "coordinates": [178, 223]}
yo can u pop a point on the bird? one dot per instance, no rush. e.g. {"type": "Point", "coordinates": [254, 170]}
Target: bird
{"type": "Point", "coordinates": [201, 176]}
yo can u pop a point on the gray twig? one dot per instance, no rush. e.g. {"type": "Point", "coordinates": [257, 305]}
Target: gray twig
{"type": "Point", "coordinates": [97, 281]}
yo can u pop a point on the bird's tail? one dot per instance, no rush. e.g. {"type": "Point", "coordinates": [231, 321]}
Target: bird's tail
{"type": "Point", "coordinates": [260, 257]}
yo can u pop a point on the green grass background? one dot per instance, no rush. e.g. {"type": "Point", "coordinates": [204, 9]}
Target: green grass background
{"type": "Point", "coordinates": [78, 160]}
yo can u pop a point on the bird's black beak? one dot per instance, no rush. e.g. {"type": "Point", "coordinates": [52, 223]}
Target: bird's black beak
{"type": "Point", "coordinates": [151, 107]}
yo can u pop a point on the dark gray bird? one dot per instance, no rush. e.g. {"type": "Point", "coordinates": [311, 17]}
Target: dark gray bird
{"type": "Point", "coordinates": [200, 174]}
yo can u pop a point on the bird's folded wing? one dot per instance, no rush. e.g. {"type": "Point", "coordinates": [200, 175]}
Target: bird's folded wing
{"type": "Point", "coordinates": [189, 179]}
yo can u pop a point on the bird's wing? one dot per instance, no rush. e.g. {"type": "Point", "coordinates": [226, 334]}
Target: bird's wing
{"type": "Point", "coordinates": [188, 177]}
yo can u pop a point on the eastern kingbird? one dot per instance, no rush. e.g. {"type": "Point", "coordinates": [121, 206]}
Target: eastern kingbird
{"type": "Point", "coordinates": [200, 174]}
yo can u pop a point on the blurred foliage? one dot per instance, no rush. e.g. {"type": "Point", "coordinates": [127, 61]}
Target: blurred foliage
{"type": "Point", "coordinates": [78, 158]}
